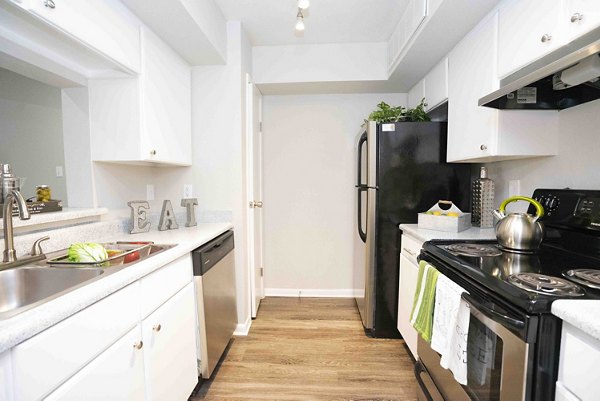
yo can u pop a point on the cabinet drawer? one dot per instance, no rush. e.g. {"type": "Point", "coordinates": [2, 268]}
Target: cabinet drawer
{"type": "Point", "coordinates": [44, 361]}
{"type": "Point", "coordinates": [579, 356]}
{"type": "Point", "coordinates": [117, 372]}
{"type": "Point", "coordinates": [164, 283]}
{"type": "Point", "coordinates": [411, 248]}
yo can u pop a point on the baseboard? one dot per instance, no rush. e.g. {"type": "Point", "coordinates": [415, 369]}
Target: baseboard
{"type": "Point", "coordinates": [309, 293]}
{"type": "Point", "coordinates": [242, 329]}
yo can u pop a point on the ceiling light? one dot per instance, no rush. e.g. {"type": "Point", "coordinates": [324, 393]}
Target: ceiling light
{"type": "Point", "coordinates": [303, 4]}
{"type": "Point", "coordinates": [300, 21]}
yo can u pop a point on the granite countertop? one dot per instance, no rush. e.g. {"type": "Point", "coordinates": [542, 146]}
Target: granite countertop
{"type": "Point", "coordinates": [427, 235]}
{"type": "Point", "coordinates": [27, 324]}
{"type": "Point", "coordinates": [583, 314]}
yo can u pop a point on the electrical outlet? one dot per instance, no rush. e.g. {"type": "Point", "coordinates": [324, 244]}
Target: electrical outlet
{"type": "Point", "coordinates": [150, 192]}
{"type": "Point", "coordinates": [514, 188]}
{"type": "Point", "coordinates": [59, 171]}
{"type": "Point", "coordinates": [188, 191]}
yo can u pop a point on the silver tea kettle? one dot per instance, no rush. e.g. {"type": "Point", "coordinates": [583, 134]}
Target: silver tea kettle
{"type": "Point", "coordinates": [519, 231]}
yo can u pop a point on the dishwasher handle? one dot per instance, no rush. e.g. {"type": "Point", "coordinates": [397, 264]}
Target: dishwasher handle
{"type": "Point", "coordinates": [209, 254]}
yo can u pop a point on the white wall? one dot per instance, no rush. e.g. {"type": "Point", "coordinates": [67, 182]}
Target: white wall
{"type": "Point", "coordinates": [320, 63]}
{"type": "Point", "coordinates": [309, 190]}
{"type": "Point", "coordinates": [31, 138]}
{"type": "Point", "coordinates": [218, 110]}
{"type": "Point", "coordinates": [576, 166]}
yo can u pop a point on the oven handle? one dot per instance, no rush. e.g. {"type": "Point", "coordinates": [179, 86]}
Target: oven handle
{"type": "Point", "coordinates": [492, 314]}
{"type": "Point", "coordinates": [418, 369]}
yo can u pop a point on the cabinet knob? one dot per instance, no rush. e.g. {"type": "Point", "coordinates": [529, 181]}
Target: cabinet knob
{"type": "Point", "coordinates": [157, 328]}
{"type": "Point", "coordinates": [546, 38]}
{"type": "Point", "coordinates": [483, 147]}
{"type": "Point", "coordinates": [138, 344]}
{"type": "Point", "coordinates": [153, 152]}
{"type": "Point", "coordinates": [49, 4]}
{"type": "Point", "coordinates": [576, 17]}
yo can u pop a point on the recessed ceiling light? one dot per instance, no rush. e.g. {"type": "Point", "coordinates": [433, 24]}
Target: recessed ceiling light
{"type": "Point", "coordinates": [303, 4]}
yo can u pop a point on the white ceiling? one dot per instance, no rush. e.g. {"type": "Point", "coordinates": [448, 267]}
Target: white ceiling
{"type": "Point", "coordinates": [271, 22]}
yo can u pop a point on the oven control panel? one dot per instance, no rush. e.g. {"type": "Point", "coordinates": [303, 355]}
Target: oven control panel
{"type": "Point", "coordinates": [569, 208]}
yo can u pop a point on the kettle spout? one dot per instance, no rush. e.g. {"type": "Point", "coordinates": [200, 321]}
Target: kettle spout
{"type": "Point", "coordinates": [498, 215]}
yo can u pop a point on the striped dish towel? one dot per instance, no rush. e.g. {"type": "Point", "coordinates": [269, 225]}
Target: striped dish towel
{"type": "Point", "coordinates": [421, 317]}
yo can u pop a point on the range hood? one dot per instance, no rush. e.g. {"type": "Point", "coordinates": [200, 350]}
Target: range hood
{"type": "Point", "coordinates": [565, 78]}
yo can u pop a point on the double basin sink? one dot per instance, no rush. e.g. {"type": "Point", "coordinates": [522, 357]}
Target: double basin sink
{"type": "Point", "coordinates": [25, 287]}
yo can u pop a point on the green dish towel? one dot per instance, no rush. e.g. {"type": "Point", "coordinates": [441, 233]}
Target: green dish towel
{"type": "Point", "coordinates": [424, 301]}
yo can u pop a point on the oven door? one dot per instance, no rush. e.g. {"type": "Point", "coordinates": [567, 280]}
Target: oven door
{"type": "Point", "coordinates": [497, 358]}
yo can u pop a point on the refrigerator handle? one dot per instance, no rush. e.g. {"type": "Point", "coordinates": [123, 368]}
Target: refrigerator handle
{"type": "Point", "coordinates": [361, 143]}
{"type": "Point", "coordinates": [361, 232]}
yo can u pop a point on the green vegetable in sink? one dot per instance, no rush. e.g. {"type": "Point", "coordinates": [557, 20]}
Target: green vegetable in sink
{"type": "Point", "coordinates": [86, 252]}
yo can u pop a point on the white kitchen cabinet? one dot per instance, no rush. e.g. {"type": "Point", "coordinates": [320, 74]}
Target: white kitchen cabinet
{"type": "Point", "coordinates": [581, 17]}
{"type": "Point", "coordinates": [44, 361]}
{"type": "Point", "coordinates": [104, 25]}
{"type": "Point", "coordinates": [527, 31]}
{"type": "Point", "coordinates": [578, 366]}
{"type": "Point", "coordinates": [477, 133]}
{"type": "Point", "coordinates": [169, 336]}
{"type": "Point", "coordinates": [116, 373]}
{"type": "Point", "coordinates": [146, 120]}
{"type": "Point", "coordinates": [413, 17]}
{"type": "Point", "coordinates": [6, 379]}
{"type": "Point", "coordinates": [416, 94]}
{"type": "Point", "coordinates": [409, 271]}
{"type": "Point", "coordinates": [436, 84]}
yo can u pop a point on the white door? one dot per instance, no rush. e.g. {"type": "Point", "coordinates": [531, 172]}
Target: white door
{"type": "Point", "coordinates": [254, 193]}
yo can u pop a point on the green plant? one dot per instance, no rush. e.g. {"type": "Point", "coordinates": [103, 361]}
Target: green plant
{"type": "Point", "coordinates": [390, 114]}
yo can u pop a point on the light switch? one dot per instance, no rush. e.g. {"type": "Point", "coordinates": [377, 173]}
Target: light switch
{"type": "Point", "coordinates": [514, 188]}
{"type": "Point", "coordinates": [59, 171]}
{"type": "Point", "coordinates": [188, 191]}
{"type": "Point", "coordinates": [150, 192]}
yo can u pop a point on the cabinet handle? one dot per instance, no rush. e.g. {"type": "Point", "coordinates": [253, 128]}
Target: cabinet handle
{"type": "Point", "coordinates": [576, 17]}
{"type": "Point", "coordinates": [49, 3]}
{"type": "Point", "coordinates": [411, 253]}
{"type": "Point", "coordinates": [483, 147]}
{"type": "Point", "coordinates": [157, 328]}
{"type": "Point", "coordinates": [546, 38]}
{"type": "Point", "coordinates": [153, 152]}
{"type": "Point", "coordinates": [138, 344]}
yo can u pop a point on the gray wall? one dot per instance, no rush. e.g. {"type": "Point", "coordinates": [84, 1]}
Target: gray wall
{"type": "Point", "coordinates": [576, 166]}
{"type": "Point", "coordinates": [31, 137]}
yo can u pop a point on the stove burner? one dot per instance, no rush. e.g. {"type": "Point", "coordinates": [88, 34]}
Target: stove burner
{"type": "Point", "coordinates": [475, 250]}
{"type": "Point", "coordinates": [587, 277]}
{"type": "Point", "coordinates": [543, 284]}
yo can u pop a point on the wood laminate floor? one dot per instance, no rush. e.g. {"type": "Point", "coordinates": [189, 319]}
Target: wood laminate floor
{"type": "Point", "coordinates": [311, 349]}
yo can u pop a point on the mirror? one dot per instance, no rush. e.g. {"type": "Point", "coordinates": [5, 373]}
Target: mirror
{"type": "Point", "coordinates": [31, 133]}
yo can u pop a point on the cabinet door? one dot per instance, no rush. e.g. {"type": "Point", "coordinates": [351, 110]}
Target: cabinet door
{"type": "Point", "coordinates": [582, 16]}
{"type": "Point", "coordinates": [436, 85]}
{"type": "Point", "coordinates": [169, 336]}
{"type": "Point", "coordinates": [105, 25]}
{"type": "Point", "coordinates": [416, 94]}
{"type": "Point", "coordinates": [528, 30]}
{"type": "Point", "coordinates": [167, 105]}
{"type": "Point", "coordinates": [117, 373]}
{"type": "Point", "coordinates": [471, 74]}
{"type": "Point", "coordinates": [406, 293]}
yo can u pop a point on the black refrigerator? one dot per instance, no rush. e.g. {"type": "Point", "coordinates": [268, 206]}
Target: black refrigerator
{"type": "Point", "coordinates": [401, 170]}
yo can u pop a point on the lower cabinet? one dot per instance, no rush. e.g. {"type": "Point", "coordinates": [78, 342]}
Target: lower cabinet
{"type": "Point", "coordinates": [170, 348]}
{"type": "Point", "coordinates": [117, 373]}
{"type": "Point", "coordinates": [406, 292]}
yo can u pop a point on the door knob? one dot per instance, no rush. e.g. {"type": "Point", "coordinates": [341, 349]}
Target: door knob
{"type": "Point", "coordinates": [576, 17]}
{"type": "Point", "coordinates": [138, 344]}
{"type": "Point", "coordinates": [258, 204]}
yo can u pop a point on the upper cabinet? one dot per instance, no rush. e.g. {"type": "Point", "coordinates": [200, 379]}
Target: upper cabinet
{"type": "Point", "coordinates": [416, 94]}
{"type": "Point", "coordinates": [144, 120]}
{"type": "Point", "coordinates": [66, 42]}
{"type": "Point", "coordinates": [581, 17]}
{"type": "Point", "coordinates": [477, 134]}
{"type": "Point", "coordinates": [104, 25]}
{"type": "Point", "coordinates": [412, 18]}
{"type": "Point", "coordinates": [433, 88]}
{"type": "Point", "coordinates": [527, 31]}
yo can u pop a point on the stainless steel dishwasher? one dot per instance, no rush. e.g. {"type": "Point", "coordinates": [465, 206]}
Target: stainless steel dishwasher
{"type": "Point", "coordinates": [214, 277]}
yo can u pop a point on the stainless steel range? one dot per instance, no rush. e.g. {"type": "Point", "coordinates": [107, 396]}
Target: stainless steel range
{"type": "Point", "coordinates": [510, 295]}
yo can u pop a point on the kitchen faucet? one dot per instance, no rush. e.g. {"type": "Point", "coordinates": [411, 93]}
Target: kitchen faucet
{"type": "Point", "coordinates": [10, 255]}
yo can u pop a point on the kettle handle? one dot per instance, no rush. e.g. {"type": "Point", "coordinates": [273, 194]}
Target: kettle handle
{"type": "Point", "coordinates": [539, 209]}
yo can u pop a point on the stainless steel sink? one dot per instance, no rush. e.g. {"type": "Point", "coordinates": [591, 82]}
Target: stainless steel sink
{"type": "Point", "coordinates": [23, 288]}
